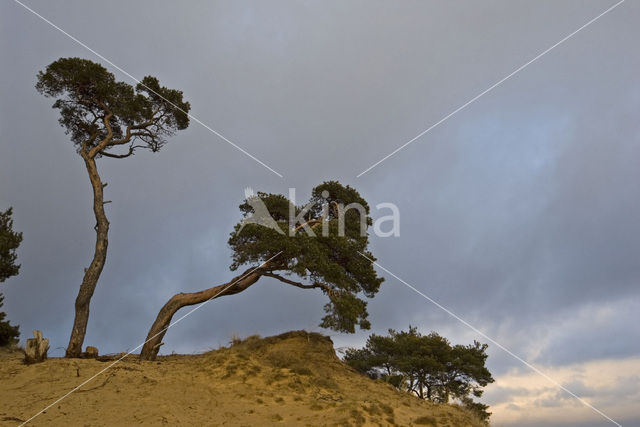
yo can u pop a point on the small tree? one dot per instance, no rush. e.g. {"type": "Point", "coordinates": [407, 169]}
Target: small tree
{"type": "Point", "coordinates": [323, 250]}
{"type": "Point", "coordinates": [9, 242]}
{"type": "Point", "coordinates": [103, 117]}
{"type": "Point", "coordinates": [426, 365]}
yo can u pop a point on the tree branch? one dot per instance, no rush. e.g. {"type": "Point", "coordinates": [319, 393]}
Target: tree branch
{"type": "Point", "coordinates": [315, 285]}
{"type": "Point", "coordinates": [316, 221]}
{"type": "Point", "coordinates": [109, 142]}
{"type": "Point", "coordinates": [310, 222]}
{"type": "Point", "coordinates": [121, 156]}
{"type": "Point", "coordinates": [105, 141]}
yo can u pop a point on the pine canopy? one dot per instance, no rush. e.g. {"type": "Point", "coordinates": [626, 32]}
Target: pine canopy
{"type": "Point", "coordinates": [305, 256]}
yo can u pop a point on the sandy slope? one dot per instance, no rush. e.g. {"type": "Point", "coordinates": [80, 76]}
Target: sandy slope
{"type": "Point", "coordinates": [291, 379]}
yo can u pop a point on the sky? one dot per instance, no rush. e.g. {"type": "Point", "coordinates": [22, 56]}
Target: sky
{"type": "Point", "coordinates": [518, 214]}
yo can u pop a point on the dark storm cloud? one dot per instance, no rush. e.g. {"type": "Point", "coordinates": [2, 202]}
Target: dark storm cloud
{"type": "Point", "coordinates": [518, 213]}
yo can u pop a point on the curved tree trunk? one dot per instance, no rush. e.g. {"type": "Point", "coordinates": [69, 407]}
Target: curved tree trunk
{"type": "Point", "coordinates": [163, 320]}
{"type": "Point", "coordinates": [91, 274]}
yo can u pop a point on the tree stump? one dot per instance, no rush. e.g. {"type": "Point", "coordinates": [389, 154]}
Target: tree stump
{"type": "Point", "coordinates": [36, 348]}
{"type": "Point", "coordinates": [91, 352]}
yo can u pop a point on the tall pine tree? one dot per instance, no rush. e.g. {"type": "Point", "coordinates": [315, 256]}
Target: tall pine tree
{"type": "Point", "coordinates": [112, 119]}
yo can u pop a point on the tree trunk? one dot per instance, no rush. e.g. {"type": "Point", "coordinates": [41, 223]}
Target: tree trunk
{"type": "Point", "coordinates": [91, 274]}
{"type": "Point", "coordinates": [163, 320]}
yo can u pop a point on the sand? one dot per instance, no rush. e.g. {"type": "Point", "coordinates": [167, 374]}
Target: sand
{"type": "Point", "coordinates": [293, 379]}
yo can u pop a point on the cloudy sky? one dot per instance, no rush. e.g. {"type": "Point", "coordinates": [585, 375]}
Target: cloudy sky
{"type": "Point", "coordinates": [519, 213]}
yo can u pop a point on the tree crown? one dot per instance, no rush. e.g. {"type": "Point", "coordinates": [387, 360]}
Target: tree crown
{"type": "Point", "coordinates": [331, 260]}
{"type": "Point", "coordinates": [101, 113]}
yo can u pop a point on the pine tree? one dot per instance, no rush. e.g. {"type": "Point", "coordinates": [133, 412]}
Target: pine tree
{"type": "Point", "coordinates": [8, 334]}
{"type": "Point", "coordinates": [427, 366]}
{"type": "Point", "coordinates": [9, 242]}
{"type": "Point", "coordinates": [107, 118]}
{"type": "Point", "coordinates": [322, 246]}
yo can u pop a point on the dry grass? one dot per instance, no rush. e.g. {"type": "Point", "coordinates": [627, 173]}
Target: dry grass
{"type": "Point", "coordinates": [290, 379]}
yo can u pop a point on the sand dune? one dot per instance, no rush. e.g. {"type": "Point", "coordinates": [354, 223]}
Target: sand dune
{"type": "Point", "coordinates": [290, 379]}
